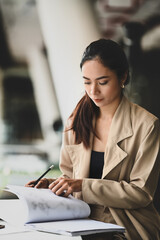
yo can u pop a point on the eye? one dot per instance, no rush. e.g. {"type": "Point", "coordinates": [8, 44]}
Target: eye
{"type": "Point", "coordinates": [103, 83]}
{"type": "Point", "coordinates": [87, 83]}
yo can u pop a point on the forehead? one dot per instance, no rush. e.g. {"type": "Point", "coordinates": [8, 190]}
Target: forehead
{"type": "Point", "coordinates": [95, 68]}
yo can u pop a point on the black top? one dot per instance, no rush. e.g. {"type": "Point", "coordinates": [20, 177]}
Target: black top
{"type": "Point", "coordinates": [96, 164]}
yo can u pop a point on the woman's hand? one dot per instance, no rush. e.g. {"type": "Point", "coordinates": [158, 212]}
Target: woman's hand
{"type": "Point", "coordinates": [66, 186]}
{"type": "Point", "coordinates": [43, 183]}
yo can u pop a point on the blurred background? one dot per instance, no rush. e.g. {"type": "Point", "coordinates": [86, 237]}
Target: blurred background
{"type": "Point", "coordinates": [41, 44]}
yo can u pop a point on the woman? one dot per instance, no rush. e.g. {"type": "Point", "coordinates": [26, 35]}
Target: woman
{"type": "Point", "coordinates": [110, 151]}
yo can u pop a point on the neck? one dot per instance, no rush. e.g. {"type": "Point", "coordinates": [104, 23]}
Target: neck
{"type": "Point", "coordinates": [107, 112]}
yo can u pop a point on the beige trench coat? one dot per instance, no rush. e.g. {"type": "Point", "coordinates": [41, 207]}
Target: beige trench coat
{"type": "Point", "coordinates": [125, 193]}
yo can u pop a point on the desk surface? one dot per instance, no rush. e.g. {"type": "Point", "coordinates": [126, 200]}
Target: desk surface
{"type": "Point", "coordinates": [10, 233]}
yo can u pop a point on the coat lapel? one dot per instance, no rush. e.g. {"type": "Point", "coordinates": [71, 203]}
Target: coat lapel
{"type": "Point", "coordinates": [120, 129]}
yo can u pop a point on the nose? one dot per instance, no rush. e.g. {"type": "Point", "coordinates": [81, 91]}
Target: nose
{"type": "Point", "coordinates": [94, 89]}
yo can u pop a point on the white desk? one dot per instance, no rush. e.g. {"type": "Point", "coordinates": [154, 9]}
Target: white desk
{"type": "Point", "coordinates": [10, 233]}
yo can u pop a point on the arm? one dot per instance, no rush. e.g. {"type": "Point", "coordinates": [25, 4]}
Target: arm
{"type": "Point", "coordinates": [66, 165]}
{"type": "Point", "coordinates": [66, 184]}
{"type": "Point", "coordinates": [139, 190]}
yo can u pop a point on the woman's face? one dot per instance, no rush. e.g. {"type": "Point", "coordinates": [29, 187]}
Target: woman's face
{"type": "Point", "coordinates": [101, 84]}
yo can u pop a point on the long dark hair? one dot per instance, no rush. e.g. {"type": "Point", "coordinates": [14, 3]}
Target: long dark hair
{"type": "Point", "coordinates": [112, 56]}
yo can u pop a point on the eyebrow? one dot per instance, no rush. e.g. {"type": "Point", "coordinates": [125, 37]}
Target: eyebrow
{"type": "Point", "coordinates": [99, 78]}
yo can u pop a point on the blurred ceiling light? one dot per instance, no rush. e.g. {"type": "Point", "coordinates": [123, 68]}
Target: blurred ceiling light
{"type": "Point", "coordinates": [117, 3]}
{"type": "Point", "coordinates": [151, 40]}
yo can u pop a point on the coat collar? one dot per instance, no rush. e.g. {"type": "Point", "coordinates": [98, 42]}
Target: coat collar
{"type": "Point", "coordinates": [121, 123]}
{"type": "Point", "coordinates": [120, 129]}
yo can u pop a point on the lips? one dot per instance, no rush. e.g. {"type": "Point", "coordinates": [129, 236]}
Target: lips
{"type": "Point", "coordinates": [97, 100]}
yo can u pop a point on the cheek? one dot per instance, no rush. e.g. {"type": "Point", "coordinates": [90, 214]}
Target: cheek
{"type": "Point", "coordinates": [111, 90]}
{"type": "Point", "coordinates": [115, 87]}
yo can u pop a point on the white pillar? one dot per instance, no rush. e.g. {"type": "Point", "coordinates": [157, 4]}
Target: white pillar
{"type": "Point", "coordinates": [68, 26]}
{"type": "Point", "coordinates": [46, 101]}
{"type": "Point", "coordinates": [43, 88]}
{"type": "Point", "coordinates": [2, 124]}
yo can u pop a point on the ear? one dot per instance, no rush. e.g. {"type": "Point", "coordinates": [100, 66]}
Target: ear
{"type": "Point", "coordinates": [124, 79]}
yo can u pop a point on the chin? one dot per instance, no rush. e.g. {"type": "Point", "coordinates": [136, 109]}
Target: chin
{"type": "Point", "coordinates": [99, 104]}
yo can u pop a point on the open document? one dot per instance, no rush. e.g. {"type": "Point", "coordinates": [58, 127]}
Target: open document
{"type": "Point", "coordinates": [76, 228]}
{"type": "Point", "coordinates": [42, 210]}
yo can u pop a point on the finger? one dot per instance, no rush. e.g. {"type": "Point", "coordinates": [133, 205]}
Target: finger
{"type": "Point", "coordinates": [43, 183]}
{"type": "Point", "coordinates": [67, 193]}
{"type": "Point", "coordinates": [39, 185]}
{"type": "Point", "coordinates": [62, 194]}
{"type": "Point", "coordinates": [51, 185]}
{"type": "Point", "coordinates": [62, 190]}
{"type": "Point", "coordinates": [54, 183]}
{"type": "Point", "coordinates": [30, 184]}
{"type": "Point", "coordinates": [57, 187]}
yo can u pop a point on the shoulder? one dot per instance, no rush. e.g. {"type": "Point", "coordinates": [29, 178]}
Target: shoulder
{"type": "Point", "coordinates": [138, 111]}
{"type": "Point", "coordinates": [141, 113]}
{"type": "Point", "coordinates": [140, 116]}
{"type": "Point", "coordinates": [68, 123]}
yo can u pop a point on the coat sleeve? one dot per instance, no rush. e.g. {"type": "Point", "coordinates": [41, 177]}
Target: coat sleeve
{"type": "Point", "coordinates": [66, 165]}
{"type": "Point", "coordinates": [139, 190]}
